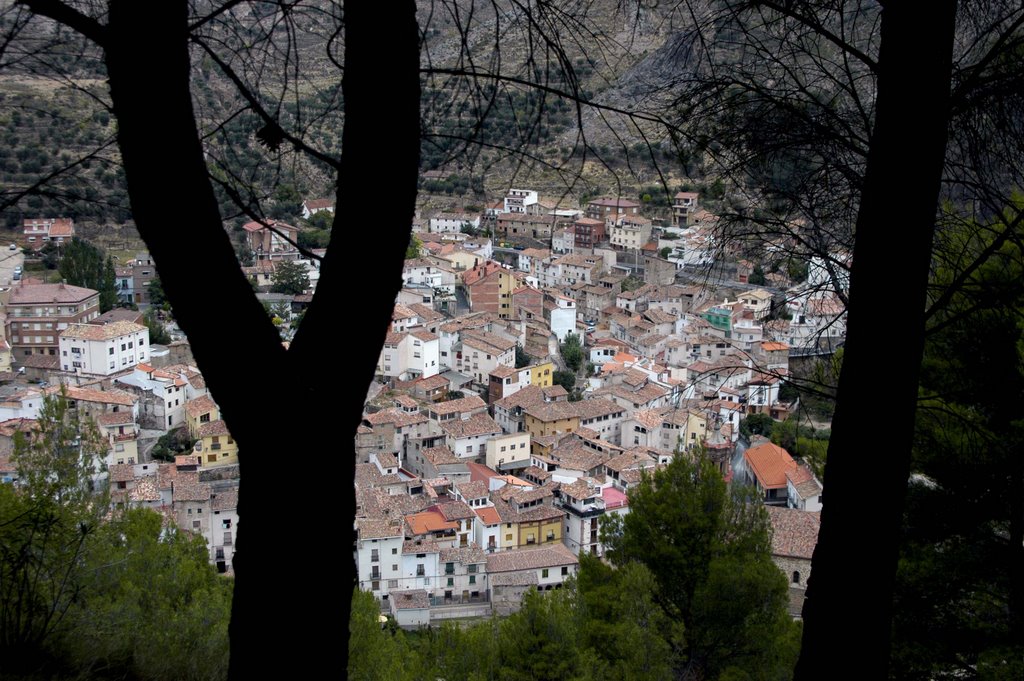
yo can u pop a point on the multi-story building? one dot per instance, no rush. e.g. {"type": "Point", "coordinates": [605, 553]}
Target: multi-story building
{"type": "Point", "coordinates": [103, 350]}
{"type": "Point", "coordinates": [37, 313]}
{"type": "Point", "coordinates": [38, 231]}
{"type": "Point", "coordinates": [272, 241]}
{"type": "Point", "coordinates": [605, 209]}
{"type": "Point", "coordinates": [683, 207]}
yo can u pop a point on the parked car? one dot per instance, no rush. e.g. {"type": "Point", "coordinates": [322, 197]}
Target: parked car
{"type": "Point", "coordinates": [12, 247]}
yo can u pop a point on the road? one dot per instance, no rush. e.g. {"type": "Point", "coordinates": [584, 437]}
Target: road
{"type": "Point", "coordinates": [8, 261]}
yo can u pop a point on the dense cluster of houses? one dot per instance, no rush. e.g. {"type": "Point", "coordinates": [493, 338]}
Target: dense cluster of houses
{"type": "Point", "coordinates": [480, 478]}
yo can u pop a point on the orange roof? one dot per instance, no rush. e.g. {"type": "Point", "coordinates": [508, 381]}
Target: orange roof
{"type": "Point", "coordinates": [769, 346]}
{"type": "Point", "coordinates": [769, 463]}
{"type": "Point", "coordinates": [429, 521]}
{"type": "Point", "coordinates": [489, 515]}
{"type": "Point", "coordinates": [624, 357]}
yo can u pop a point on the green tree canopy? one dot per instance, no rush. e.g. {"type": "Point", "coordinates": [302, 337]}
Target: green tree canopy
{"type": "Point", "coordinates": [289, 277]}
{"type": "Point", "coordinates": [83, 264]}
{"type": "Point", "coordinates": [572, 352]}
{"type": "Point", "coordinates": [708, 549]}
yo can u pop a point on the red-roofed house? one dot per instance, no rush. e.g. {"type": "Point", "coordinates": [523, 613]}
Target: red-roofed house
{"type": "Point", "coordinates": [766, 468]}
{"type": "Point", "coordinates": [40, 230]}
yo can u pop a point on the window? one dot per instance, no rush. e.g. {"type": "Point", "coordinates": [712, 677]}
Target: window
{"type": "Point", "coordinates": [544, 573]}
{"type": "Point", "coordinates": [110, 351]}
{"type": "Point", "coordinates": [565, 570]}
{"type": "Point", "coordinates": [195, 524]}
{"type": "Point", "coordinates": [472, 579]}
{"type": "Point", "coordinates": [375, 585]}
{"type": "Point", "coordinates": [420, 570]}
{"type": "Point", "coordinates": [392, 583]}
{"type": "Point", "coordinates": [451, 581]}
{"type": "Point", "coordinates": [796, 577]}
{"type": "Point", "coordinates": [225, 524]}
{"type": "Point", "coordinates": [508, 537]}
{"type": "Point", "coordinates": [374, 555]}
{"type": "Point", "coordinates": [394, 552]}
{"type": "Point", "coordinates": [471, 569]}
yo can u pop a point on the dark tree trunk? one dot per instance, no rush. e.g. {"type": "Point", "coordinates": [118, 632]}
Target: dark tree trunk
{"type": "Point", "coordinates": [848, 611]}
{"type": "Point", "coordinates": [277, 404]}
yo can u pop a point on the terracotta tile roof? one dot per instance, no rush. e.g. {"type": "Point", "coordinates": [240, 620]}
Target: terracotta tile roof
{"type": "Point", "coordinates": [595, 408]}
{"type": "Point", "coordinates": [524, 496]}
{"type": "Point", "coordinates": [649, 418]}
{"type": "Point", "coordinates": [118, 397]}
{"type": "Point", "coordinates": [414, 599]}
{"type": "Point", "coordinates": [213, 428]}
{"type": "Point", "coordinates": [188, 488]}
{"type": "Point", "coordinates": [425, 312]}
{"type": "Point", "coordinates": [367, 474]}
{"type": "Point", "coordinates": [226, 500]}
{"type": "Point", "coordinates": [438, 456]}
{"type": "Point", "coordinates": [502, 371]}
{"type": "Point", "coordinates": [186, 460]}
{"type": "Point", "coordinates": [406, 401]}
{"type": "Point", "coordinates": [513, 578]}
{"type": "Point", "coordinates": [528, 396]}
{"type": "Point", "coordinates": [631, 459]}
{"type": "Point", "coordinates": [121, 472]}
{"type": "Point", "coordinates": [166, 474]}
{"type": "Point", "coordinates": [579, 458]}
{"type": "Point", "coordinates": [199, 406]}
{"type": "Point", "coordinates": [423, 545]}
{"type": "Point", "coordinates": [794, 532]}
{"type": "Point", "coordinates": [769, 463]}
{"type": "Point", "coordinates": [144, 490]}
{"type": "Point", "coordinates": [402, 312]}
{"type": "Point", "coordinates": [536, 473]}
{"type": "Point", "coordinates": [548, 412]}
{"type": "Point", "coordinates": [803, 481]}
{"type": "Point", "coordinates": [580, 489]}
{"type": "Point", "coordinates": [103, 332]}
{"type": "Point", "coordinates": [463, 554]}
{"type": "Point", "coordinates": [11, 426]}
{"type": "Point", "coordinates": [545, 556]}
{"type": "Point", "coordinates": [29, 294]}
{"type": "Point", "coordinates": [472, 490]}
{"type": "Point", "coordinates": [62, 227]}
{"type": "Point", "coordinates": [386, 459]}
{"type": "Point", "coordinates": [488, 514]}
{"type": "Point", "coordinates": [428, 521]}
{"type": "Point", "coordinates": [456, 510]}
{"type": "Point", "coordinates": [368, 528]}
{"type": "Point", "coordinates": [458, 405]}
{"type": "Point", "coordinates": [115, 418]}
{"type": "Point", "coordinates": [478, 424]}
{"type": "Point", "coordinates": [540, 513]}
{"type": "Point", "coordinates": [396, 416]}
{"type": "Point", "coordinates": [488, 342]}
{"type": "Point", "coordinates": [423, 335]}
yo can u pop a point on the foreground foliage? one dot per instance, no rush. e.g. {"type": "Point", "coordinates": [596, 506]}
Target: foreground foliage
{"type": "Point", "coordinates": [90, 593]}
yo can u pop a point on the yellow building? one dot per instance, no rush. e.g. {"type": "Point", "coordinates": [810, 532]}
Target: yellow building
{"type": "Point", "coordinates": [540, 525]}
{"type": "Point", "coordinates": [542, 374]}
{"type": "Point", "coordinates": [200, 411]}
{"type": "Point", "coordinates": [695, 430]}
{"type": "Point", "coordinates": [549, 418]}
{"type": "Point", "coordinates": [215, 446]}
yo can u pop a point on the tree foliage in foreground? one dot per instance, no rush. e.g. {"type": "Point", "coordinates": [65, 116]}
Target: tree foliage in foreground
{"type": "Point", "coordinates": [960, 585]}
{"type": "Point", "coordinates": [89, 593]}
{"type": "Point", "coordinates": [709, 550]}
